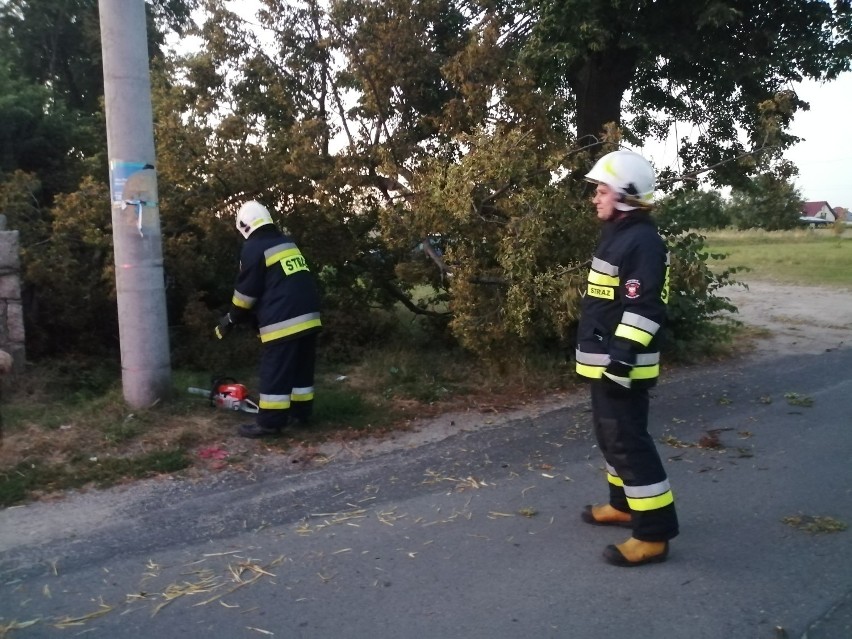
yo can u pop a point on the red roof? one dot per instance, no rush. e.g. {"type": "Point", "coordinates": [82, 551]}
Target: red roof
{"type": "Point", "coordinates": [811, 209]}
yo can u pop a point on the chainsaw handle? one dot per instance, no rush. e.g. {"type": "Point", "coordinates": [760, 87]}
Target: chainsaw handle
{"type": "Point", "coordinates": [248, 406]}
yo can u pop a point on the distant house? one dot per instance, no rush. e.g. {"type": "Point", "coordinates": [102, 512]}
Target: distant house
{"type": "Point", "coordinates": [819, 210]}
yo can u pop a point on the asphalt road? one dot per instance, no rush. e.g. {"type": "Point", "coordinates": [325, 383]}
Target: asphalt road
{"type": "Point", "coordinates": [476, 535]}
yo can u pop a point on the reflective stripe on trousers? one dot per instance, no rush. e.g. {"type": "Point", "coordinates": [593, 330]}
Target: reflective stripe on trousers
{"type": "Point", "coordinates": [286, 385]}
{"type": "Point", "coordinates": [636, 477]}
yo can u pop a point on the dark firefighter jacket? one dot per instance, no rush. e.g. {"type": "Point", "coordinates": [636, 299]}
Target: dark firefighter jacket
{"type": "Point", "coordinates": [624, 304]}
{"type": "Point", "coordinates": [275, 287]}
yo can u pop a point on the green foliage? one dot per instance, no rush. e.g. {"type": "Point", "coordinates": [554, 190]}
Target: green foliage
{"type": "Point", "coordinates": [690, 209]}
{"type": "Point", "coordinates": [397, 49]}
{"type": "Point", "coordinates": [52, 137]}
{"type": "Point", "coordinates": [723, 66]}
{"type": "Point", "coordinates": [345, 408]}
{"type": "Point", "coordinates": [243, 126]}
{"type": "Point", "coordinates": [19, 201]}
{"type": "Point", "coordinates": [51, 71]}
{"type": "Point", "coordinates": [448, 136]}
{"type": "Point", "coordinates": [67, 266]}
{"type": "Point", "coordinates": [514, 239]}
{"type": "Point", "coordinates": [769, 202]}
{"type": "Point", "coordinates": [795, 399]}
{"type": "Point", "coordinates": [56, 44]}
{"type": "Point", "coordinates": [72, 268]}
{"type": "Point", "coordinates": [40, 136]}
{"type": "Point", "coordinates": [695, 324]}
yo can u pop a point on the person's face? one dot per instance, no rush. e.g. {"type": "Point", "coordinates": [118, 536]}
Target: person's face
{"type": "Point", "coordinates": [604, 201]}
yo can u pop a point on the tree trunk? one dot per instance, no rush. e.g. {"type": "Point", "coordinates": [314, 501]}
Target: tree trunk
{"type": "Point", "coordinates": [599, 82]}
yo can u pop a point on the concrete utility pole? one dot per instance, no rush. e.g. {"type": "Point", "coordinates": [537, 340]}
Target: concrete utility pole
{"type": "Point", "coordinates": [137, 241]}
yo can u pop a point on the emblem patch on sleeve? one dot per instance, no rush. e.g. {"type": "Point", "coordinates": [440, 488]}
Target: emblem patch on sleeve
{"type": "Point", "coordinates": [632, 289]}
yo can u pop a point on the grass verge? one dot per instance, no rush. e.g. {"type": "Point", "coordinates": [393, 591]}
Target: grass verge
{"type": "Point", "coordinates": [66, 425]}
{"type": "Point", "coordinates": [28, 479]}
{"type": "Point", "coordinates": [806, 257]}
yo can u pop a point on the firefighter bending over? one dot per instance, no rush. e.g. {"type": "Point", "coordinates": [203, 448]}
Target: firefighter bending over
{"type": "Point", "coordinates": [276, 289]}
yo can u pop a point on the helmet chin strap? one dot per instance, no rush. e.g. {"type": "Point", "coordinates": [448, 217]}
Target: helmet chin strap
{"type": "Point", "coordinates": [623, 204]}
{"type": "Point", "coordinates": [630, 203]}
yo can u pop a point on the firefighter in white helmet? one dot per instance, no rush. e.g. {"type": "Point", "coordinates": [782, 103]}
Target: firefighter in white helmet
{"type": "Point", "coordinates": [622, 313]}
{"type": "Point", "coordinates": [276, 289]}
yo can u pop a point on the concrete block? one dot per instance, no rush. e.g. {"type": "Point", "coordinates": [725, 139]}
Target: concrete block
{"type": "Point", "coordinates": [15, 323]}
{"type": "Point", "coordinates": [10, 287]}
{"type": "Point", "coordinates": [9, 250]}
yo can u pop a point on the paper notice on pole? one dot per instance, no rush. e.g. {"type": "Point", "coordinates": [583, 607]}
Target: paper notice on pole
{"type": "Point", "coordinates": [119, 172]}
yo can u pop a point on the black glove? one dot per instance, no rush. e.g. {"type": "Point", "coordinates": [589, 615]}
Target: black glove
{"type": "Point", "coordinates": [617, 373]}
{"type": "Point", "coordinates": [224, 327]}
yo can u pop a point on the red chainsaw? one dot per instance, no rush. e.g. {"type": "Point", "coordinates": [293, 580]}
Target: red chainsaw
{"type": "Point", "coordinates": [228, 394]}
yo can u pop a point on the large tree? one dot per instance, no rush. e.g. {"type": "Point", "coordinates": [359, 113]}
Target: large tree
{"type": "Point", "coordinates": [769, 202]}
{"type": "Point", "coordinates": [322, 112]}
{"type": "Point", "coordinates": [377, 128]}
{"type": "Point", "coordinates": [646, 64]}
{"type": "Point", "coordinates": [693, 209]}
{"type": "Point", "coordinates": [374, 128]}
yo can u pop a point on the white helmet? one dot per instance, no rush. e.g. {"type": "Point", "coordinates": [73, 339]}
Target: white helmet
{"type": "Point", "coordinates": [628, 174]}
{"type": "Point", "coordinates": [251, 216]}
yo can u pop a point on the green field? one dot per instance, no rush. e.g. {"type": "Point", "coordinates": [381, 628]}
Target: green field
{"type": "Point", "coordinates": [808, 257]}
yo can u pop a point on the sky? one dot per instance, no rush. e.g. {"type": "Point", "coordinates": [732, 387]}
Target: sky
{"type": "Point", "coordinates": [824, 156]}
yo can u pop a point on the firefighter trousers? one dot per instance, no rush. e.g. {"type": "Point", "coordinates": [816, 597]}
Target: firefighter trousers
{"type": "Point", "coordinates": [286, 384]}
{"type": "Point", "coordinates": [637, 480]}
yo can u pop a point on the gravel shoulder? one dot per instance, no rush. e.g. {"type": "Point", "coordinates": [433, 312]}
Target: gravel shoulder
{"type": "Point", "coordinates": [794, 319]}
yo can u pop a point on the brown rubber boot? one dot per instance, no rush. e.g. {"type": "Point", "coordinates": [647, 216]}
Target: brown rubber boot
{"type": "Point", "coordinates": [606, 515]}
{"type": "Point", "coordinates": [635, 552]}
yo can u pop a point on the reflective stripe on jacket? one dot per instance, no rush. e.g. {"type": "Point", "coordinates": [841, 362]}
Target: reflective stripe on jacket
{"type": "Point", "coordinates": [624, 304]}
{"type": "Point", "coordinates": [275, 286]}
